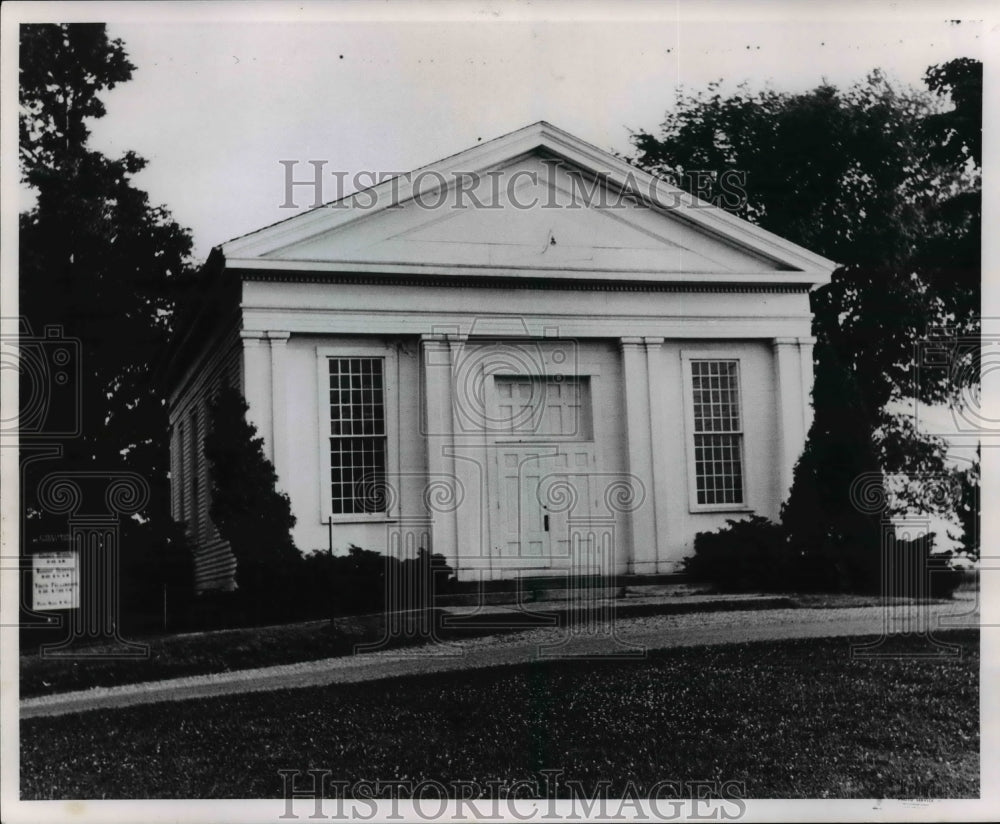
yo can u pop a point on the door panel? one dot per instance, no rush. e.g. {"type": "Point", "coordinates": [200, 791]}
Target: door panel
{"type": "Point", "coordinates": [545, 494]}
{"type": "Point", "coordinates": [545, 459]}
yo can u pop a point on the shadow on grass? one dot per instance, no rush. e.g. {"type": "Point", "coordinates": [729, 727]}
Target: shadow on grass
{"type": "Point", "coordinates": [790, 719]}
{"type": "Point", "coordinates": [202, 653]}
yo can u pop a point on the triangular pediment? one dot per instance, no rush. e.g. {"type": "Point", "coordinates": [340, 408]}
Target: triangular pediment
{"type": "Point", "coordinates": [544, 207]}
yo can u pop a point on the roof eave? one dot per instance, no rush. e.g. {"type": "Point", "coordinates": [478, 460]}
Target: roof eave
{"type": "Point", "coordinates": [292, 270]}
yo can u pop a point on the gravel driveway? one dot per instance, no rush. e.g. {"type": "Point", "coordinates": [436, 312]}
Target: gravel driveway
{"type": "Point", "coordinates": [627, 636]}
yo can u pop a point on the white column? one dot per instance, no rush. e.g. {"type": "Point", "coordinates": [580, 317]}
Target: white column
{"type": "Point", "coordinates": [439, 435]}
{"type": "Point", "coordinates": [279, 416]}
{"type": "Point", "coordinates": [642, 555]}
{"type": "Point", "coordinates": [469, 464]}
{"type": "Point", "coordinates": [657, 499]}
{"type": "Point", "coordinates": [257, 386]}
{"type": "Point", "coordinates": [791, 410]}
{"type": "Point", "coordinates": [806, 362]}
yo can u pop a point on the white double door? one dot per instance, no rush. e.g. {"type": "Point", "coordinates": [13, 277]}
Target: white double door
{"type": "Point", "coordinates": [544, 497]}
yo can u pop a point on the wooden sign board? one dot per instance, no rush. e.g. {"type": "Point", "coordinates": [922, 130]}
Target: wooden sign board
{"type": "Point", "coordinates": [55, 581]}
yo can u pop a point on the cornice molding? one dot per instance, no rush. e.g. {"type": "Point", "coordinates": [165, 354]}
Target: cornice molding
{"type": "Point", "coordinates": [275, 276]}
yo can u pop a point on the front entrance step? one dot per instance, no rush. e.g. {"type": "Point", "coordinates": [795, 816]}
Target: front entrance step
{"type": "Point", "coordinates": [526, 596]}
{"type": "Point", "coordinates": [556, 613]}
{"type": "Point", "coordinates": [677, 590]}
{"type": "Point", "coordinates": [531, 581]}
{"type": "Point", "coordinates": [552, 588]}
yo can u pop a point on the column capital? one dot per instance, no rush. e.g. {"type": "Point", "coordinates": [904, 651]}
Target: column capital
{"type": "Point", "coordinates": [653, 341]}
{"type": "Point", "coordinates": [278, 336]}
{"type": "Point", "coordinates": [630, 341]}
{"type": "Point", "coordinates": [443, 340]}
{"type": "Point", "coordinates": [252, 334]}
{"type": "Point", "coordinates": [784, 341]}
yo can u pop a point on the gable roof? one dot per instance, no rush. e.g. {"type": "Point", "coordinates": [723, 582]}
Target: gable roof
{"type": "Point", "coordinates": [537, 202]}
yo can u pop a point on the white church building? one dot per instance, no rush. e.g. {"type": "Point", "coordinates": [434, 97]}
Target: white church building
{"type": "Point", "coordinates": [527, 354]}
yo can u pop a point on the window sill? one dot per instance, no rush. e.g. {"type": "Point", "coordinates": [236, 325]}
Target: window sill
{"type": "Point", "coordinates": [359, 519]}
{"type": "Point", "coordinates": [541, 440]}
{"type": "Point", "coordinates": [715, 508]}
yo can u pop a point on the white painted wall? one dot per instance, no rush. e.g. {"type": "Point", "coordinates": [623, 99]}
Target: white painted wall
{"type": "Point", "coordinates": [677, 508]}
{"type": "Point", "coordinates": [305, 478]}
{"type": "Point", "coordinates": [666, 481]}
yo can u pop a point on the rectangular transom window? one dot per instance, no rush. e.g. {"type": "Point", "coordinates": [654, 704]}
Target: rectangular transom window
{"type": "Point", "coordinates": [543, 406]}
{"type": "Point", "coordinates": [357, 436]}
{"type": "Point", "coordinates": [718, 432]}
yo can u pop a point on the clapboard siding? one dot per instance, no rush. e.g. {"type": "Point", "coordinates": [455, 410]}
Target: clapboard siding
{"type": "Point", "coordinates": [189, 480]}
{"type": "Point", "coordinates": [175, 473]}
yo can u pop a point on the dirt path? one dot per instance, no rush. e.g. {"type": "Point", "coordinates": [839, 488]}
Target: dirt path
{"type": "Point", "coordinates": [626, 637]}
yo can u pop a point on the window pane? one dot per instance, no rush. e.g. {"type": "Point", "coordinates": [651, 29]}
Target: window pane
{"type": "Point", "coordinates": [357, 442]}
{"type": "Point", "coordinates": [715, 386]}
{"type": "Point", "coordinates": [718, 444]}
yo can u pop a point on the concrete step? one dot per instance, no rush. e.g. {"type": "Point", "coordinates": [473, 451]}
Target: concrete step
{"type": "Point", "coordinates": [534, 583]}
{"type": "Point", "coordinates": [670, 590]}
{"type": "Point", "coordinates": [529, 596]}
{"type": "Point", "coordinates": [555, 613]}
{"type": "Point", "coordinates": [544, 589]}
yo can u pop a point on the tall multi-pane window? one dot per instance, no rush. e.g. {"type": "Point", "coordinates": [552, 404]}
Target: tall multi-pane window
{"type": "Point", "coordinates": [718, 431]}
{"type": "Point", "coordinates": [357, 436]}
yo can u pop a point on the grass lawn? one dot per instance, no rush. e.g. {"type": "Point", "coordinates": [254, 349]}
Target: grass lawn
{"type": "Point", "coordinates": [789, 719]}
{"type": "Point", "coordinates": [174, 656]}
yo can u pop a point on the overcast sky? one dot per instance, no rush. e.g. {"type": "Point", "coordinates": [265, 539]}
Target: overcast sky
{"type": "Point", "coordinates": [214, 106]}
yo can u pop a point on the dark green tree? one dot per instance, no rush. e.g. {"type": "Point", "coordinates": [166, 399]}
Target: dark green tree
{"type": "Point", "coordinates": [884, 181]}
{"type": "Point", "coordinates": [101, 264]}
{"type": "Point", "coordinates": [246, 507]}
{"type": "Point", "coordinates": [831, 528]}
{"type": "Point", "coordinates": [948, 256]}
